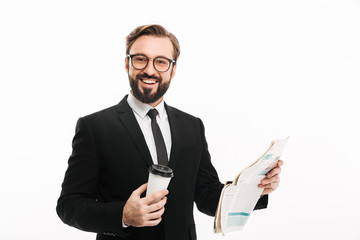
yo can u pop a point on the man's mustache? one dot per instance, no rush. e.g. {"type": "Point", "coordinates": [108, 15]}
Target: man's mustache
{"type": "Point", "coordinates": [144, 75]}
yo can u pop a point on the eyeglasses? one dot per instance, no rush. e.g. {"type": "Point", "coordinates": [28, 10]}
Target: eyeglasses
{"type": "Point", "coordinates": [140, 61]}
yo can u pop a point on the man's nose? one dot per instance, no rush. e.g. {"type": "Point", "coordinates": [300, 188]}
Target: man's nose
{"type": "Point", "coordinates": [150, 70]}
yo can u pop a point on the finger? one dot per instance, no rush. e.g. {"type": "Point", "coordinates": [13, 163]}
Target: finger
{"type": "Point", "coordinates": [273, 172]}
{"type": "Point", "coordinates": [272, 185]}
{"type": "Point", "coordinates": [268, 188]}
{"type": "Point", "coordinates": [265, 182]}
{"type": "Point", "coordinates": [156, 206]}
{"type": "Point", "coordinates": [156, 215]}
{"type": "Point", "coordinates": [275, 178]}
{"type": "Point", "coordinates": [140, 190]}
{"type": "Point", "coordinates": [154, 218]}
{"type": "Point", "coordinates": [155, 197]}
{"type": "Point", "coordinates": [152, 222]}
{"type": "Point", "coordinates": [280, 163]}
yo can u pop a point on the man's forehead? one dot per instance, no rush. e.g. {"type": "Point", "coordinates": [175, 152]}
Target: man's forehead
{"type": "Point", "coordinates": [153, 46]}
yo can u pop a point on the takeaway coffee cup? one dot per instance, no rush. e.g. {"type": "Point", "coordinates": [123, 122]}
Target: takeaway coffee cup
{"type": "Point", "coordinates": [159, 178]}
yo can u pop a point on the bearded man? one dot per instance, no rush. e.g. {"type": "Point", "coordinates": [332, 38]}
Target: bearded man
{"type": "Point", "coordinates": [104, 185]}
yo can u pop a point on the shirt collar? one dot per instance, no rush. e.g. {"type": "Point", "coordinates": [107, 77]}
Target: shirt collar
{"type": "Point", "coordinates": [142, 109]}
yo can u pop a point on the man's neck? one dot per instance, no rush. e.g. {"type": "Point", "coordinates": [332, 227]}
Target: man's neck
{"type": "Point", "coordinates": [154, 104]}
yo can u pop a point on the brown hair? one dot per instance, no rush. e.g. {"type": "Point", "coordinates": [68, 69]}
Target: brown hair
{"type": "Point", "coordinates": [152, 30]}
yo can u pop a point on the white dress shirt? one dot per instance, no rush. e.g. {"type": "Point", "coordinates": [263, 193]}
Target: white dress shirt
{"type": "Point", "coordinates": [140, 111]}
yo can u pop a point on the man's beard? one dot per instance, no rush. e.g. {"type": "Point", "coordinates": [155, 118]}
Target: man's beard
{"type": "Point", "coordinates": [146, 96]}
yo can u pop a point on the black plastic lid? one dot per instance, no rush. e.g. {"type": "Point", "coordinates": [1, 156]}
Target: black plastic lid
{"type": "Point", "coordinates": [161, 170]}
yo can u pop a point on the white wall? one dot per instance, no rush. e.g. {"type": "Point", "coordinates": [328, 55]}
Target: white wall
{"type": "Point", "coordinates": [266, 69]}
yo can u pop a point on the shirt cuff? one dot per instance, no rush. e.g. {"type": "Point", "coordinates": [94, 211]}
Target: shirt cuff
{"type": "Point", "coordinates": [124, 225]}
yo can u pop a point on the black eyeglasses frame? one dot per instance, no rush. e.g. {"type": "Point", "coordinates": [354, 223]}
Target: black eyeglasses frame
{"type": "Point", "coordinates": [171, 61]}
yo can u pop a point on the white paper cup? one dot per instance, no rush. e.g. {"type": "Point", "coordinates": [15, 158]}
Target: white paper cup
{"type": "Point", "coordinates": [159, 178]}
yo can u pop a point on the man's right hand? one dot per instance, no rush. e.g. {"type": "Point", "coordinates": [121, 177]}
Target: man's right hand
{"type": "Point", "coordinates": [141, 212]}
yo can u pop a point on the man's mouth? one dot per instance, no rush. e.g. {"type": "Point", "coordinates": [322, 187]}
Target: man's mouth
{"type": "Point", "coordinates": [148, 81]}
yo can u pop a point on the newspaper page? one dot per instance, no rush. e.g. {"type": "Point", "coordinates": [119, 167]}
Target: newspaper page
{"type": "Point", "coordinates": [239, 198]}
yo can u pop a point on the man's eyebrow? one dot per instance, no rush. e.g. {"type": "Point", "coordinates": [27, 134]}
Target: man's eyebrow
{"type": "Point", "coordinates": [163, 56]}
{"type": "Point", "coordinates": [154, 57]}
{"type": "Point", "coordinates": [138, 54]}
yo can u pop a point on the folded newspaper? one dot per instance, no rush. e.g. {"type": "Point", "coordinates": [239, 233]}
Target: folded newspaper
{"type": "Point", "coordinates": [239, 198]}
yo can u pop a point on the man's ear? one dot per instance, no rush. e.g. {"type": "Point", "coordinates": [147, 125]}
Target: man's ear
{"type": "Point", "coordinates": [127, 64]}
{"type": "Point", "coordinates": [173, 70]}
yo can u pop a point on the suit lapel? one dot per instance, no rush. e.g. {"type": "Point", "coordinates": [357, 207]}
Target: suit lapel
{"type": "Point", "coordinates": [129, 121]}
{"type": "Point", "coordinates": [175, 126]}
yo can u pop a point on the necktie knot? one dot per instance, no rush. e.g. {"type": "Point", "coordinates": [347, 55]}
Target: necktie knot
{"type": "Point", "coordinates": [152, 113]}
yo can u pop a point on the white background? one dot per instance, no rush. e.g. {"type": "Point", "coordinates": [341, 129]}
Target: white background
{"type": "Point", "coordinates": [251, 70]}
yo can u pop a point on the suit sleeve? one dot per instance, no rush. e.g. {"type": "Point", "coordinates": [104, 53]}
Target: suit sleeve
{"type": "Point", "coordinates": [208, 189]}
{"type": "Point", "coordinates": [79, 204]}
{"type": "Point", "coordinates": [262, 202]}
{"type": "Point", "coordinates": [208, 186]}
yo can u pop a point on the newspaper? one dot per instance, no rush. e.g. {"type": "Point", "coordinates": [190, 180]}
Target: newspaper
{"type": "Point", "coordinates": [239, 198]}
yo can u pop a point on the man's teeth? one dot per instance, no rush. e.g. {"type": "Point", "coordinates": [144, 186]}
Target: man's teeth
{"type": "Point", "coordinates": [149, 81]}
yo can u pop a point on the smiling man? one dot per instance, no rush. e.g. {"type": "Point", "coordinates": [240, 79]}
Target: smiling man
{"type": "Point", "coordinates": [104, 185]}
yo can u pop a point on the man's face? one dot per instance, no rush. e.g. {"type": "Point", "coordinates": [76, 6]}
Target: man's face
{"type": "Point", "coordinates": [149, 85]}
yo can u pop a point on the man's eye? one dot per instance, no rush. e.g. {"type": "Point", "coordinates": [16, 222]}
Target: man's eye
{"type": "Point", "coordinates": [161, 61]}
{"type": "Point", "coordinates": [139, 59]}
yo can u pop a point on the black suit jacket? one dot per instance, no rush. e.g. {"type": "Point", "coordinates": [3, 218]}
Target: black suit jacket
{"type": "Point", "coordinates": [110, 159]}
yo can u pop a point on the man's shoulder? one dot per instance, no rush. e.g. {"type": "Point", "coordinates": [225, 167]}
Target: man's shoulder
{"type": "Point", "coordinates": [181, 113]}
{"type": "Point", "coordinates": [102, 112]}
{"type": "Point", "coordinates": [109, 111]}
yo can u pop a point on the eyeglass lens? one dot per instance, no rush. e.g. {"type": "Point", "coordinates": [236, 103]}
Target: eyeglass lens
{"type": "Point", "coordinates": [160, 64]}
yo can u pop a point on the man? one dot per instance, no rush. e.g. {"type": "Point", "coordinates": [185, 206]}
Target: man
{"type": "Point", "coordinates": [104, 185]}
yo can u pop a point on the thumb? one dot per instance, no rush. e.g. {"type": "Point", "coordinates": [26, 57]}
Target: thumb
{"type": "Point", "coordinates": [140, 190]}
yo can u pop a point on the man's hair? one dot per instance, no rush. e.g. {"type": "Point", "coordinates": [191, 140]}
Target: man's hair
{"type": "Point", "coordinates": [152, 30]}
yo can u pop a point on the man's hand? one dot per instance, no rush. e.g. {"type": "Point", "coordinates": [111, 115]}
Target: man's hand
{"type": "Point", "coordinates": [141, 212]}
{"type": "Point", "coordinates": [272, 180]}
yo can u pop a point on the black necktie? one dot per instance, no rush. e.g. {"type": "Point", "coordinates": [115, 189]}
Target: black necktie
{"type": "Point", "coordinates": [159, 140]}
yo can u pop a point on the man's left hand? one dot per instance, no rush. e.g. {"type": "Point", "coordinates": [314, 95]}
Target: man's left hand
{"type": "Point", "coordinates": [271, 182]}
